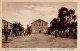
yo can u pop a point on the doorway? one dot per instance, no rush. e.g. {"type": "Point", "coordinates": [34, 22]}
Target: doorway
{"type": "Point", "coordinates": [39, 30]}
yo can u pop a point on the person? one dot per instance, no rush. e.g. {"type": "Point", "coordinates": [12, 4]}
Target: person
{"type": "Point", "coordinates": [29, 33]}
{"type": "Point", "coordinates": [6, 35]}
{"type": "Point", "coordinates": [15, 33]}
{"type": "Point", "coordinates": [20, 33]}
{"type": "Point", "coordinates": [24, 33]}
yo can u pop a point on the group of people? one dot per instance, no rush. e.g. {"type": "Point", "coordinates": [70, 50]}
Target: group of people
{"type": "Point", "coordinates": [16, 33]}
{"type": "Point", "coordinates": [28, 33]}
{"type": "Point", "coordinates": [19, 33]}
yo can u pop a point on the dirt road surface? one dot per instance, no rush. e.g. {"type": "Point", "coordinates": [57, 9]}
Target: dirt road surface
{"type": "Point", "coordinates": [38, 41]}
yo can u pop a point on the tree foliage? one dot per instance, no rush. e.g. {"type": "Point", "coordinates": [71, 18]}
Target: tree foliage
{"type": "Point", "coordinates": [66, 19]}
{"type": "Point", "coordinates": [17, 26]}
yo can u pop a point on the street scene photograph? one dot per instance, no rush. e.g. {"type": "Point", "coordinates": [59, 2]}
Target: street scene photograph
{"type": "Point", "coordinates": [39, 24]}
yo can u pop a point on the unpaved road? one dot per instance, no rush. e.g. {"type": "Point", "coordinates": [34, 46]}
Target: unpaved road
{"type": "Point", "coordinates": [39, 41]}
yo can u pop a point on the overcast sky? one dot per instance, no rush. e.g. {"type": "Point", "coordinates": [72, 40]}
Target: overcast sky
{"type": "Point", "coordinates": [27, 12]}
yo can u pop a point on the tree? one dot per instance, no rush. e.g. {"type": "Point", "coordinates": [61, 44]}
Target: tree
{"type": "Point", "coordinates": [66, 19]}
{"type": "Point", "coordinates": [66, 16]}
{"type": "Point", "coordinates": [17, 26]}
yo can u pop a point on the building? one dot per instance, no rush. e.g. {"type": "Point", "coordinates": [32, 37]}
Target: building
{"type": "Point", "coordinates": [7, 24]}
{"type": "Point", "coordinates": [39, 26]}
{"type": "Point", "coordinates": [4, 23]}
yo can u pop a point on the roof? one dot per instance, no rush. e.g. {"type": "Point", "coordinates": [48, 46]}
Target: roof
{"type": "Point", "coordinates": [6, 21]}
{"type": "Point", "coordinates": [39, 20]}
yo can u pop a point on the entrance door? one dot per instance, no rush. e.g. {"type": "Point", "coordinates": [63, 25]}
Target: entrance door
{"type": "Point", "coordinates": [39, 30]}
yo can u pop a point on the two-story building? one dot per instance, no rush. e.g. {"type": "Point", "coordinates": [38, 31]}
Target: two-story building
{"type": "Point", "coordinates": [39, 26]}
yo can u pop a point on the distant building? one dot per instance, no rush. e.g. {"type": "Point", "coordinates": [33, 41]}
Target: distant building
{"type": "Point", "coordinates": [39, 26]}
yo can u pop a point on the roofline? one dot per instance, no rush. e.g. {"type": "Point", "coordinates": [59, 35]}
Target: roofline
{"type": "Point", "coordinates": [39, 19]}
{"type": "Point", "coordinates": [7, 21]}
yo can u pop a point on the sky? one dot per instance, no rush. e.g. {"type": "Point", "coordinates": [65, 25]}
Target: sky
{"type": "Point", "coordinates": [27, 12]}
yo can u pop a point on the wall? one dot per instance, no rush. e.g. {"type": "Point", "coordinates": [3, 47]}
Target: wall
{"type": "Point", "coordinates": [39, 27]}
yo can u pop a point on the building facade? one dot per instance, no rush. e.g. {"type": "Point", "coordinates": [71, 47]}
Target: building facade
{"type": "Point", "coordinates": [4, 23]}
{"type": "Point", "coordinates": [7, 24]}
{"type": "Point", "coordinates": [39, 26]}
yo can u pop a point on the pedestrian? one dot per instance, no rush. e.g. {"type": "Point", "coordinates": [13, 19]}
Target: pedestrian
{"type": "Point", "coordinates": [6, 35]}
{"type": "Point", "coordinates": [29, 32]}
{"type": "Point", "coordinates": [15, 33]}
{"type": "Point", "coordinates": [24, 33]}
{"type": "Point", "coordinates": [20, 33]}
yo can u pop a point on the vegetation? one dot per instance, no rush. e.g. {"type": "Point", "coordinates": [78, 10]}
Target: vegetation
{"type": "Point", "coordinates": [17, 26]}
{"type": "Point", "coordinates": [66, 21]}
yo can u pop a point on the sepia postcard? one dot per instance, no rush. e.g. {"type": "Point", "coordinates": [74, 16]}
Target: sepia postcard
{"type": "Point", "coordinates": [37, 25]}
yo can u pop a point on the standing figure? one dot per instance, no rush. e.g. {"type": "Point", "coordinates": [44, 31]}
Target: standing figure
{"type": "Point", "coordinates": [6, 35]}
{"type": "Point", "coordinates": [20, 33]}
{"type": "Point", "coordinates": [29, 31]}
{"type": "Point", "coordinates": [15, 33]}
{"type": "Point", "coordinates": [24, 33]}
